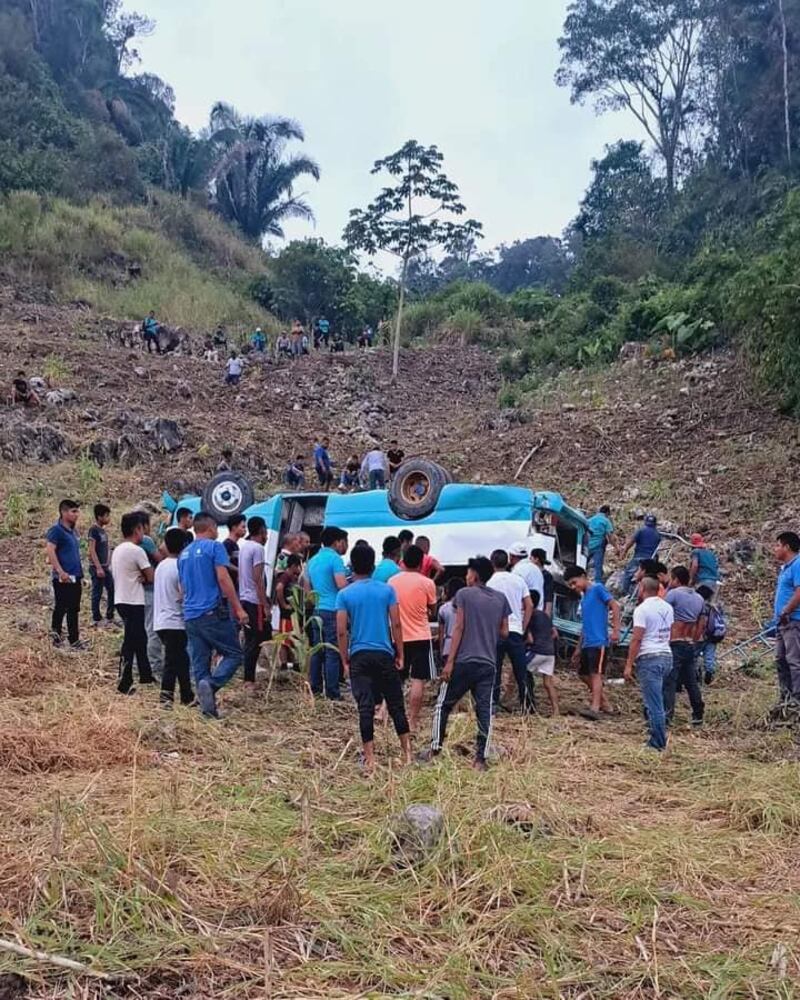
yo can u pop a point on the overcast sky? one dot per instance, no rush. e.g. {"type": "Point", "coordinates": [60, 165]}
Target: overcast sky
{"type": "Point", "coordinates": [475, 77]}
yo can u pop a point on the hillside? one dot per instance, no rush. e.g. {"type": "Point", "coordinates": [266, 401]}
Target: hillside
{"type": "Point", "coordinates": [251, 859]}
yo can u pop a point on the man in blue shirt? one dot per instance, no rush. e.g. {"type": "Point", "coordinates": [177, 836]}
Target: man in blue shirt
{"type": "Point", "coordinates": [591, 652]}
{"type": "Point", "coordinates": [322, 463]}
{"type": "Point", "coordinates": [326, 575]}
{"type": "Point", "coordinates": [373, 657]}
{"type": "Point", "coordinates": [150, 331]}
{"type": "Point", "coordinates": [704, 567]}
{"type": "Point", "coordinates": [601, 532]}
{"type": "Point", "coordinates": [787, 616]}
{"type": "Point", "coordinates": [209, 598]}
{"type": "Point", "coordinates": [64, 556]}
{"type": "Point", "coordinates": [389, 565]}
{"type": "Point", "coordinates": [645, 543]}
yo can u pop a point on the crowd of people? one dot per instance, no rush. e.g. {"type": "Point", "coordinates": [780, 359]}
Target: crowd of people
{"type": "Point", "coordinates": [373, 471]}
{"type": "Point", "coordinates": [395, 629]}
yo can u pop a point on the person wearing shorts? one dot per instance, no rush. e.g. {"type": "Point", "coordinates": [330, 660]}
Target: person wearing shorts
{"type": "Point", "coordinates": [416, 597]}
{"type": "Point", "coordinates": [592, 651]}
{"type": "Point", "coordinates": [541, 647]}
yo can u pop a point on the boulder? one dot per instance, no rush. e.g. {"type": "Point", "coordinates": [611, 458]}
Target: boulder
{"type": "Point", "coordinates": [742, 551]}
{"type": "Point", "coordinates": [23, 442]}
{"type": "Point", "coordinates": [418, 829]}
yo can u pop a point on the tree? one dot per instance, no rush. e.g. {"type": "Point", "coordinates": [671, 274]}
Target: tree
{"type": "Point", "coordinates": [309, 279]}
{"type": "Point", "coordinates": [411, 218]}
{"type": "Point", "coordinates": [540, 262]}
{"type": "Point", "coordinates": [623, 196]}
{"type": "Point", "coordinates": [640, 55]}
{"type": "Point", "coordinates": [254, 178]}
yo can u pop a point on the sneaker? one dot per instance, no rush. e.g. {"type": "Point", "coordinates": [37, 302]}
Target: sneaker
{"type": "Point", "coordinates": [81, 646]}
{"type": "Point", "coordinates": [589, 713]}
{"type": "Point", "coordinates": [697, 723]}
{"type": "Point", "coordinates": [206, 699]}
{"type": "Point", "coordinates": [479, 765]}
{"type": "Point", "coordinates": [56, 640]}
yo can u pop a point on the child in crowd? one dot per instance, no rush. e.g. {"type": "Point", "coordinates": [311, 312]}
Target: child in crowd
{"type": "Point", "coordinates": [541, 637]}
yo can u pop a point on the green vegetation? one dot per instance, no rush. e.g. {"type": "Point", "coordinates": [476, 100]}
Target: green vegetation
{"type": "Point", "coordinates": [125, 260]}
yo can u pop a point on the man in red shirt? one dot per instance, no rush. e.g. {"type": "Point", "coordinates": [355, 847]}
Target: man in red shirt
{"type": "Point", "coordinates": [416, 596]}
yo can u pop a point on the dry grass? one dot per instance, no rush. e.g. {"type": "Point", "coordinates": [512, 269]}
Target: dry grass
{"type": "Point", "coordinates": [253, 859]}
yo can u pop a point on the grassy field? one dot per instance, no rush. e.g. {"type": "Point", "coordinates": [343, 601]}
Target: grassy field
{"type": "Point", "coordinates": [252, 857]}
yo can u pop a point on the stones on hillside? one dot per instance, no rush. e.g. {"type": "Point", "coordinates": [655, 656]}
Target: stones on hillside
{"type": "Point", "coordinates": [417, 830]}
{"type": "Point", "coordinates": [139, 440]}
{"type": "Point", "coordinates": [742, 551]}
{"type": "Point", "coordinates": [24, 442]}
{"type": "Point", "coordinates": [505, 420]}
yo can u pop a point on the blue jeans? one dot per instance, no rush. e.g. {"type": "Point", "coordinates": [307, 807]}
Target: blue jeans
{"type": "Point", "coordinates": [514, 648]}
{"type": "Point", "coordinates": [100, 584]}
{"type": "Point", "coordinates": [652, 671]}
{"type": "Point", "coordinates": [377, 479]}
{"type": "Point", "coordinates": [325, 663]}
{"type": "Point", "coordinates": [214, 633]}
{"type": "Point", "coordinates": [596, 560]}
{"type": "Point", "coordinates": [627, 576]}
{"type": "Point", "coordinates": [708, 652]}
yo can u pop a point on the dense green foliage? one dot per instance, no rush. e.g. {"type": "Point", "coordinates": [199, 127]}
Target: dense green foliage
{"type": "Point", "coordinates": [76, 121]}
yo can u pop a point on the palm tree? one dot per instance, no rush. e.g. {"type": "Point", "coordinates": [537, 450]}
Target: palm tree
{"type": "Point", "coordinates": [253, 179]}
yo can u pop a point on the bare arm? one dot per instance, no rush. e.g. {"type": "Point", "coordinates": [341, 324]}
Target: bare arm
{"type": "Point", "coordinates": [504, 628]}
{"type": "Point", "coordinates": [341, 638]}
{"type": "Point", "coordinates": [229, 593]}
{"type": "Point", "coordinates": [148, 574]}
{"type": "Point", "coordinates": [791, 605]}
{"type": "Point", "coordinates": [455, 643]}
{"type": "Point", "coordinates": [628, 546]}
{"type": "Point", "coordinates": [93, 558]}
{"type": "Point", "coordinates": [341, 580]}
{"type": "Point", "coordinates": [260, 583]}
{"type": "Point", "coordinates": [616, 618]}
{"type": "Point", "coordinates": [693, 568]}
{"type": "Point", "coordinates": [397, 635]}
{"type": "Point", "coordinates": [527, 613]}
{"type": "Point", "coordinates": [57, 567]}
{"type": "Point", "coordinates": [633, 651]}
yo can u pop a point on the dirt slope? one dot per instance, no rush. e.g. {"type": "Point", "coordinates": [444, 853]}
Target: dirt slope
{"type": "Point", "coordinates": [690, 440]}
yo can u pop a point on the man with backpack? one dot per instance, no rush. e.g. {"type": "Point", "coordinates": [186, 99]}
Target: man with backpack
{"type": "Point", "coordinates": [715, 631]}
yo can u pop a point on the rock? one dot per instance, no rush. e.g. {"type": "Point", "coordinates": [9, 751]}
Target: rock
{"type": "Point", "coordinates": [23, 442]}
{"type": "Point", "coordinates": [684, 390]}
{"type": "Point", "coordinates": [568, 407]}
{"type": "Point", "coordinates": [59, 397]}
{"type": "Point", "coordinates": [742, 551]}
{"type": "Point", "coordinates": [139, 371]}
{"type": "Point", "coordinates": [184, 390]}
{"type": "Point", "coordinates": [633, 350]}
{"type": "Point", "coordinates": [631, 493]}
{"type": "Point", "coordinates": [418, 829]}
{"type": "Point", "coordinates": [167, 434]}
{"type": "Point", "coordinates": [161, 734]}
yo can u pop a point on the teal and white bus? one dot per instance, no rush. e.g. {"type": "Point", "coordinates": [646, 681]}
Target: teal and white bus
{"type": "Point", "coordinates": [464, 521]}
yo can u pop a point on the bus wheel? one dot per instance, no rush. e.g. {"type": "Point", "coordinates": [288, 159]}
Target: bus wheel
{"type": "Point", "coordinates": [415, 488]}
{"type": "Point", "coordinates": [227, 494]}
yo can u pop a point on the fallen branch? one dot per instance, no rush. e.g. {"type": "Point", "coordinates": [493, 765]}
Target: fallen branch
{"type": "Point", "coordinates": [57, 960]}
{"type": "Point", "coordinates": [528, 457]}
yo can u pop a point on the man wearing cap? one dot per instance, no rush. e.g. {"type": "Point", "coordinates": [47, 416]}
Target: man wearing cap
{"type": "Point", "coordinates": [539, 558]}
{"type": "Point", "coordinates": [601, 532]}
{"type": "Point", "coordinates": [704, 567]}
{"type": "Point", "coordinates": [645, 543]}
{"type": "Point", "coordinates": [522, 566]}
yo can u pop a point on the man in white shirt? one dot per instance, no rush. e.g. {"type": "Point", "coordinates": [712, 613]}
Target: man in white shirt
{"type": "Point", "coordinates": [651, 654]}
{"type": "Point", "coordinates": [523, 566]}
{"type": "Point", "coordinates": [131, 569]}
{"type": "Point", "coordinates": [168, 620]}
{"type": "Point", "coordinates": [515, 589]}
{"type": "Point", "coordinates": [375, 467]}
{"type": "Point", "coordinates": [253, 595]}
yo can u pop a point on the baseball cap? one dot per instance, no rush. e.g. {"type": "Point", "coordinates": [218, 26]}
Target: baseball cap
{"type": "Point", "coordinates": [650, 520]}
{"type": "Point", "coordinates": [520, 549]}
{"type": "Point", "coordinates": [697, 540]}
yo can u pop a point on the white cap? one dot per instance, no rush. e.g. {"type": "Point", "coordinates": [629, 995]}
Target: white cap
{"type": "Point", "coordinates": [520, 549]}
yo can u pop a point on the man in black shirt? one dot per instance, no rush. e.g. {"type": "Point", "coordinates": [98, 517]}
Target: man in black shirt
{"type": "Point", "coordinates": [395, 455]}
{"type": "Point", "coordinates": [237, 529]}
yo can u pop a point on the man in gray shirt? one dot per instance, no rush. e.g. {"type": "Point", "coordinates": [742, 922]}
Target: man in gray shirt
{"type": "Point", "coordinates": [253, 595]}
{"type": "Point", "coordinates": [481, 622]}
{"type": "Point", "coordinates": [689, 625]}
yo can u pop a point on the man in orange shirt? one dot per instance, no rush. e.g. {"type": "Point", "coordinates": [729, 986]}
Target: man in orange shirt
{"type": "Point", "coordinates": [416, 596]}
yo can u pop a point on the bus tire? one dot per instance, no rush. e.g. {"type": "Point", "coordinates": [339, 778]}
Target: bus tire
{"type": "Point", "coordinates": [228, 494]}
{"type": "Point", "coordinates": [416, 488]}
